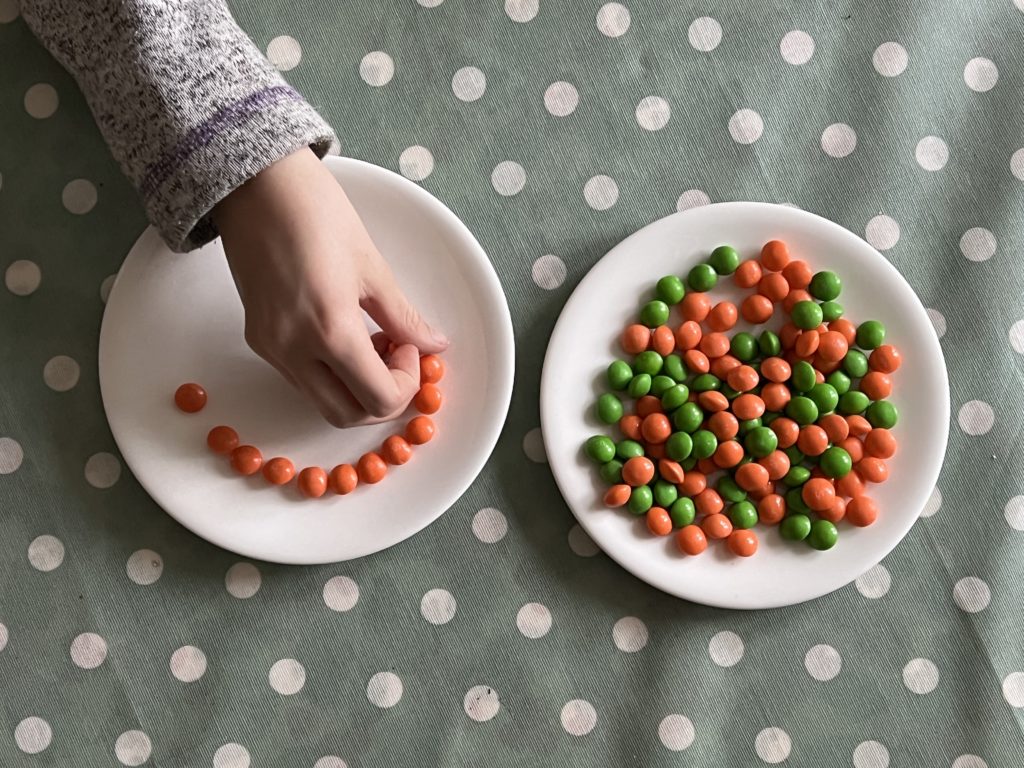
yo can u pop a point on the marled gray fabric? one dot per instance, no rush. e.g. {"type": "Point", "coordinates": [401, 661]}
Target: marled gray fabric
{"type": "Point", "coordinates": [189, 106]}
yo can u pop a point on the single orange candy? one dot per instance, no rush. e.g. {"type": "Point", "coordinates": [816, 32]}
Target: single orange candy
{"type": "Point", "coordinates": [836, 427]}
{"type": "Point", "coordinates": [846, 328]}
{"type": "Point", "coordinates": [656, 428]}
{"type": "Point", "coordinates": [696, 361]}
{"type": "Point", "coordinates": [222, 440]}
{"type": "Point", "coordinates": [774, 286]}
{"type": "Point", "coordinates": [713, 401]}
{"type": "Point", "coordinates": [776, 369]}
{"type": "Point", "coordinates": [876, 385]}
{"type": "Point", "coordinates": [850, 486]}
{"type": "Point", "coordinates": [788, 334]}
{"type": "Point", "coordinates": [836, 512]}
{"type": "Point", "coordinates": [658, 521]}
{"type": "Point", "coordinates": [716, 526]}
{"type": "Point", "coordinates": [797, 274]}
{"type": "Point", "coordinates": [671, 471]}
{"type": "Point", "coordinates": [885, 359]}
{"type": "Point", "coordinates": [818, 493]}
{"type": "Point", "coordinates": [757, 309]}
{"type": "Point", "coordinates": [707, 466]}
{"type": "Point", "coordinates": [343, 479]}
{"type": "Point", "coordinates": [635, 339]}
{"type": "Point", "coordinates": [832, 346]}
{"type": "Point", "coordinates": [880, 443]}
{"type": "Point", "coordinates": [775, 255]}
{"type": "Point", "coordinates": [861, 511]}
{"type": "Point", "coordinates": [691, 540]}
{"type": "Point", "coordinates": [807, 343]}
{"type": "Point", "coordinates": [431, 369]}
{"type": "Point", "coordinates": [743, 378]}
{"type": "Point", "coordinates": [854, 447]}
{"type": "Point", "coordinates": [813, 440]}
{"type": "Point", "coordinates": [771, 509]}
{"type": "Point", "coordinates": [420, 430]}
{"type": "Point", "coordinates": [777, 463]}
{"type": "Point", "coordinates": [723, 425]}
{"type": "Point", "coordinates": [688, 335]}
{"type": "Point", "coordinates": [647, 405]}
{"type": "Point", "coordinates": [663, 341]}
{"type": "Point", "coordinates": [859, 426]}
{"type": "Point", "coordinates": [714, 344]}
{"type": "Point", "coordinates": [747, 274]}
{"type": "Point", "coordinates": [787, 430]}
{"type": "Point", "coordinates": [191, 397]}
{"type": "Point", "coordinates": [748, 407]}
{"type": "Point", "coordinates": [629, 425]}
{"type": "Point", "coordinates": [396, 450]}
{"type": "Point", "coordinates": [723, 316]}
{"type": "Point", "coordinates": [279, 471]}
{"type": "Point", "coordinates": [371, 468]}
{"type": "Point", "coordinates": [723, 366]}
{"type": "Point", "coordinates": [617, 495]}
{"type": "Point", "coordinates": [638, 471]}
{"type": "Point", "coordinates": [313, 482]}
{"type": "Point", "coordinates": [728, 454]}
{"type": "Point", "coordinates": [428, 399]}
{"type": "Point", "coordinates": [743, 543]}
{"type": "Point", "coordinates": [751, 476]}
{"type": "Point", "coordinates": [246, 459]}
{"type": "Point", "coordinates": [873, 470]}
{"type": "Point", "coordinates": [695, 306]}
{"type": "Point", "coordinates": [775, 396]}
{"type": "Point", "coordinates": [654, 450]}
{"type": "Point", "coordinates": [694, 482]}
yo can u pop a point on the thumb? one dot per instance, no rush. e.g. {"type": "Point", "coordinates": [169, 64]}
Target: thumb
{"type": "Point", "coordinates": [400, 320]}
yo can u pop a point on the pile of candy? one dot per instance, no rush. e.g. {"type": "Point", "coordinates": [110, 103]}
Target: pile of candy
{"type": "Point", "coordinates": [313, 482]}
{"type": "Point", "coordinates": [783, 429]}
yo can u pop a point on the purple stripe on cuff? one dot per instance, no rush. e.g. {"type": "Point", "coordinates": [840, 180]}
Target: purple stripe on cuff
{"type": "Point", "coordinates": [203, 134]}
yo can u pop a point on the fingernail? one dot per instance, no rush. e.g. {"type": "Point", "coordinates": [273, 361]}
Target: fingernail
{"type": "Point", "coordinates": [438, 337]}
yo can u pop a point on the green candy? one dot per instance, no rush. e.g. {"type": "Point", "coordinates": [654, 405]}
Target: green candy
{"type": "Point", "coordinates": [835, 462]}
{"type": "Point", "coordinates": [729, 392]}
{"type": "Point", "coordinates": [802, 378]}
{"type": "Point", "coordinates": [882, 414]}
{"type": "Point", "coordinates": [769, 417]}
{"type": "Point", "coordinates": [831, 310]}
{"type": "Point", "coordinates": [670, 289]}
{"type": "Point", "coordinates": [611, 472]}
{"type": "Point", "coordinates": [609, 408]}
{"type": "Point", "coordinates": [825, 397]}
{"type": "Point", "coordinates": [628, 449]}
{"type": "Point", "coordinates": [795, 502]}
{"type": "Point", "coordinates": [802, 410]}
{"type": "Point", "coordinates": [724, 259]}
{"type": "Point", "coordinates": [806, 315]}
{"type": "Point", "coordinates": [688, 417]}
{"type": "Point", "coordinates": [689, 463]}
{"type": "Point", "coordinates": [682, 512]}
{"type": "Point", "coordinates": [640, 500]}
{"type": "Point", "coordinates": [729, 491]}
{"type": "Point", "coordinates": [825, 286]}
{"type": "Point", "coordinates": [743, 346]}
{"type": "Point", "coordinates": [743, 514]}
{"type": "Point", "coordinates": [795, 527]}
{"type": "Point", "coordinates": [600, 448]}
{"type": "Point", "coordinates": [761, 442]}
{"type": "Point", "coordinates": [619, 374]}
{"type": "Point", "coordinates": [823, 535]}
{"type": "Point", "coordinates": [649, 362]}
{"type": "Point", "coordinates": [702, 277]}
{"type": "Point", "coordinates": [673, 366]}
{"type": "Point", "coordinates": [639, 386]}
{"type": "Point", "coordinates": [797, 476]}
{"type": "Point", "coordinates": [839, 381]}
{"type": "Point", "coordinates": [870, 334]}
{"type": "Point", "coordinates": [795, 455]}
{"type": "Point", "coordinates": [855, 364]}
{"type": "Point", "coordinates": [705, 382]}
{"type": "Point", "coordinates": [853, 402]}
{"type": "Point", "coordinates": [679, 446]}
{"type": "Point", "coordinates": [661, 384]}
{"type": "Point", "coordinates": [769, 344]}
{"type": "Point", "coordinates": [665, 494]}
{"type": "Point", "coordinates": [748, 425]}
{"type": "Point", "coordinates": [654, 313]}
{"type": "Point", "coordinates": [674, 397]}
{"type": "Point", "coordinates": [704, 444]}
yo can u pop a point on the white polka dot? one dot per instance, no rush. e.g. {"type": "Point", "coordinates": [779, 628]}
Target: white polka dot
{"type": "Point", "coordinates": [384, 690]}
{"type": "Point", "coordinates": [726, 649]}
{"type": "Point", "coordinates": [132, 748]}
{"type": "Point", "coordinates": [931, 153]}
{"type": "Point", "coordinates": [579, 717]}
{"type": "Point", "coordinates": [883, 232]}
{"type": "Point", "coordinates": [870, 754]}
{"type": "Point", "coordinates": [481, 703]}
{"type": "Point", "coordinates": [920, 676]}
{"type": "Point", "coordinates": [874, 583]}
{"type": "Point", "coordinates": [772, 745]}
{"type": "Point", "coordinates": [8, 11]}
{"type": "Point", "coordinates": [11, 455]}
{"type": "Point", "coordinates": [601, 192]}
{"type": "Point", "coordinates": [377, 68]}
{"type": "Point", "coordinates": [3, 636]}
{"type": "Point", "coordinates": [971, 594]}
{"type": "Point", "coordinates": [978, 244]}
{"type": "Point", "coordinates": [144, 567]}
{"type": "Point", "coordinates": [890, 59]}
{"type": "Point", "coordinates": [508, 178]}
{"type": "Point", "coordinates": [341, 593]}
{"type": "Point", "coordinates": [188, 663]}
{"type": "Point", "coordinates": [61, 373]}
{"type": "Point", "coordinates": [1017, 163]}
{"type": "Point", "coordinates": [797, 47]}
{"type": "Point", "coordinates": [705, 34]}
{"type": "Point", "coordinates": [823, 662]}
{"type": "Point", "coordinates": [469, 84]}
{"type": "Point", "coordinates": [242, 580]}
{"type": "Point", "coordinates": [970, 761]}
{"type": "Point", "coordinates": [284, 52]}
{"type": "Point", "coordinates": [1013, 689]}
{"type": "Point", "coordinates": [438, 606]}
{"type": "Point", "coordinates": [746, 126]}
{"type": "Point", "coordinates": [533, 447]}
{"type": "Point", "coordinates": [522, 10]}
{"type": "Point", "coordinates": [653, 113]}
{"type": "Point", "coordinates": [102, 470]}
{"type": "Point", "coordinates": [22, 277]}
{"type": "Point", "coordinates": [581, 543]}
{"type": "Point", "coordinates": [981, 74]}
{"type": "Point", "coordinates": [534, 620]}
{"type": "Point", "coordinates": [46, 553]}
{"type": "Point", "coordinates": [933, 504]}
{"type": "Point", "coordinates": [41, 100]}
{"type": "Point", "coordinates": [79, 196]}
{"type": "Point", "coordinates": [88, 650]}
{"type": "Point", "coordinates": [1014, 513]}
{"type": "Point", "coordinates": [490, 525]}
{"type": "Point", "coordinates": [692, 198]}
{"type": "Point", "coordinates": [561, 99]}
{"type": "Point", "coordinates": [332, 761]}
{"type": "Point", "coordinates": [416, 163]}
{"type": "Point", "coordinates": [1016, 336]}
{"type": "Point", "coordinates": [838, 140]}
{"type": "Point", "coordinates": [33, 735]}
{"type": "Point", "coordinates": [613, 19]}
{"type": "Point", "coordinates": [231, 756]}
{"type": "Point", "coordinates": [976, 417]}
{"type": "Point", "coordinates": [287, 677]}
{"type": "Point", "coordinates": [675, 732]}
{"type": "Point", "coordinates": [105, 286]}
{"type": "Point", "coordinates": [548, 272]}
{"type": "Point", "coordinates": [629, 634]}
{"type": "Point", "coordinates": [938, 321]}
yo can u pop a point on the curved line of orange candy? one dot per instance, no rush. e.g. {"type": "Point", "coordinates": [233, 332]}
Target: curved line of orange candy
{"type": "Point", "coordinates": [313, 482]}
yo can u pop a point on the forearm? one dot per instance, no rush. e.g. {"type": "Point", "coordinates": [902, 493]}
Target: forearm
{"type": "Point", "coordinates": [188, 105]}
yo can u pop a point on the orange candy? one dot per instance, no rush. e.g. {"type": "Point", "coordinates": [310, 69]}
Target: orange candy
{"type": "Point", "coordinates": [797, 274]}
{"type": "Point", "coordinates": [788, 334]}
{"type": "Point", "coordinates": [658, 521]}
{"type": "Point", "coordinates": [635, 339]}
{"type": "Point", "coordinates": [748, 407]}
{"type": "Point", "coordinates": [850, 486]}
{"type": "Point", "coordinates": [713, 401]}
{"type": "Point", "coordinates": [617, 495]}
{"type": "Point", "coordinates": [688, 335]}
{"type": "Point", "coordinates": [777, 463]}
{"type": "Point", "coordinates": [743, 378]}
{"type": "Point", "coordinates": [832, 346]}
{"type": "Point", "coordinates": [775, 255]}
{"type": "Point", "coordinates": [222, 440]}
{"type": "Point", "coordinates": [861, 511]}
{"type": "Point", "coordinates": [771, 509]}
{"type": "Point", "coordinates": [885, 359]}
{"type": "Point", "coordinates": [663, 341]}
{"type": "Point", "coordinates": [343, 479]}
{"type": "Point", "coordinates": [774, 286]}
{"type": "Point", "coordinates": [836, 512]}
{"type": "Point", "coordinates": [714, 344]}
{"type": "Point", "coordinates": [807, 343]}
{"type": "Point", "coordinates": [691, 540]}
{"type": "Point", "coordinates": [431, 369]}
{"type": "Point", "coordinates": [246, 460]}
{"type": "Point", "coordinates": [813, 440]}
{"type": "Point", "coordinates": [819, 494]}
{"type": "Point", "coordinates": [191, 397]}
{"type": "Point", "coordinates": [872, 470]}
{"type": "Point", "coordinates": [420, 430]}
{"type": "Point", "coordinates": [638, 471]}
{"type": "Point", "coordinates": [656, 428]}
{"type": "Point", "coordinates": [708, 502]}
{"type": "Point", "coordinates": [312, 482]}
{"type": "Point", "coordinates": [776, 369]}
{"type": "Point", "coordinates": [752, 476]}
{"type": "Point", "coordinates": [835, 427]}
{"type": "Point", "coordinates": [759, 493]}
{"type": "Point", "coordinates": [775, 396]}
{"type": "Point", "coordinates": [629, 425]}
{"type": "Point", "coordinates": [876, 385]}
{"type": "Point", "coordinates": [722, 366]}
{"type": "Point", "coordinates": [694, 482]}
{"type": "Point", "coordinates": [696, 361]}
{"type": "Point", "coordinates": [880, 444]}
{"type": "Point", "coordinates": [747, 274]}
{"type": "Point", "coordinates": [844, 327]}
{"type": "Point", "coordinates": [396, 450]}
{"type": "Point", "coordinates": [728, 454]}
{"type": "Point", "coordinates": [371, 468]}
{"type": "Point", "coordinates": [671, 471]}
{"type": "Point", "coordinates": [647, 405]}
{"type": "Point", "coordinates": [757, 309]}
{"type": "Point", "coordinates": [707, 466]}
{"type": "Point", "coordinates": [279, 471]}
{"type": "Point", "coordinates": [854, 447]}
{"type": "Point", "coordinates": [859, 426]}
{"type": "Point", "coordinates": [742, 542]}
{"type": "Point", "coordinates": [654, 450]}
{"type": "Point", "coordinates": [428, 399]}
{"type": "Point", "coordinates": [786, 430]}
{"type": "Point", "coordinates": [723, 425]}
{"type": "Point", "coordinates": [695, 306]}
{"type": "Point", "coordinates": [716, 526]}
{"type": "Point", "coordinates": [723, 316]}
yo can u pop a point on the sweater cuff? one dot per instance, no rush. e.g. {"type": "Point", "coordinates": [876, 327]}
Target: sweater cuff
{"type": "Point", "coordinates": [234, 144]}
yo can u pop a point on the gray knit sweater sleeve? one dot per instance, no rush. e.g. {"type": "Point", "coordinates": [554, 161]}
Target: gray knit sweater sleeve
{"type": "Point", "coordinates": [189, 106]}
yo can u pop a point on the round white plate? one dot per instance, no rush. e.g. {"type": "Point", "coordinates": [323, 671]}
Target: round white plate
{"type": "Point", "coordinates": [174, 318]}
{"type": "Point", "coordinates": [585, 340]}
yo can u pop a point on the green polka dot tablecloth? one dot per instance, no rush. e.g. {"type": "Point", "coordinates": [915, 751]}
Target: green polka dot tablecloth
{"type": "Point", "coordinates": [500, 635]}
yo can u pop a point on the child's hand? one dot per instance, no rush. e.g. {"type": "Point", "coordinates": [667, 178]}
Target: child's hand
{"type": "Point", "coordinates": [305, 267]}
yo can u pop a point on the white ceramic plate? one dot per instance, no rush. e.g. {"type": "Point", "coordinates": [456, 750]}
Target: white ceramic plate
{"type": "Point", "coordinates": [175, 318]}
{"type": "Point", "coordinates": [585, 340]}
